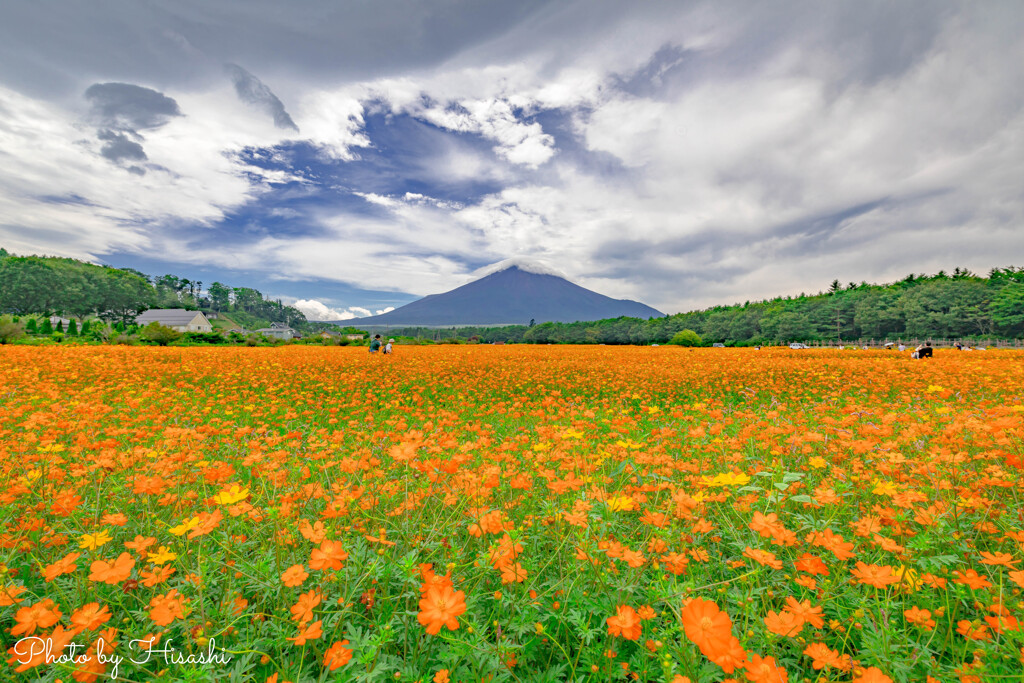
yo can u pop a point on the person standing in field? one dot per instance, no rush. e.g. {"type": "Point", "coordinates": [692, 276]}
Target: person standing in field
{"type": "Point", "coordinates": [387, 349]}
{"type": "Point", "coordinates": [375, 344]}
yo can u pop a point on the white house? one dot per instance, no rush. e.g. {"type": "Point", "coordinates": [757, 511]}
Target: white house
{"type": "Point", "coordinates": [177, 319]}
{"type": "Point", "coordinates": [278, 331]}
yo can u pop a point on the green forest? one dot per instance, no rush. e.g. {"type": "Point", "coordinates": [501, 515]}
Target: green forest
{"type": "Point", "coordinates": [959, 305]}
{"type": "Point", "coordinates": [42, 285]}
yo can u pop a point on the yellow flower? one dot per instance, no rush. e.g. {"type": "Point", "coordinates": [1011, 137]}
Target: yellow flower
{"type": "Point", "coordinates": [185, 527]}
{"type": "Point", "coordinates": [817, 462]}
{"type": "Point", "coordinates": [93, 541]}
{"type": "Point", "coordinates": [935, 388]}
{"type": "Point", "coordinates": [621, 503]}
{"type": "Point", "coordinates": [232, 495]}
{"type": "Point", "coordinates": [884, 488]}
{"type": "Point", "coordinates": [572, 434]}
{"type": "Point", "coordinates": [728, 479]}
{"type": "Point", "coordinates": [162, 555]}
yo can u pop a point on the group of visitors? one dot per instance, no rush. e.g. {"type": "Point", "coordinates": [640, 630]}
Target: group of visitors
{"type": "Point", "coordinates": [923, 351]}
{"type": "Point", "coordinates": [376, 342]}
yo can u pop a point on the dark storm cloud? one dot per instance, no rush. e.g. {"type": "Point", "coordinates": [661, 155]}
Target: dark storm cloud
{"type": "Point", "coordinates": [176, 42]}
{"type": "Point", "coordinates": [252, 90]}
{"type": "Point", "coordinates": [123, 109]}
{"type": "Point", "coordinates": [120, 148]}
{"type": "Point", "coordinates": [124, 106]}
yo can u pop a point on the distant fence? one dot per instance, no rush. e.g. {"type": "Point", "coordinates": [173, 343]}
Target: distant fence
{"type": "Point", "coordinates": [914, 343]}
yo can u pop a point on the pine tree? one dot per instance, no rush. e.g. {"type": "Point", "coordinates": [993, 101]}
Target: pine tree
{"type": "Point", "coordinates": [72, 329]}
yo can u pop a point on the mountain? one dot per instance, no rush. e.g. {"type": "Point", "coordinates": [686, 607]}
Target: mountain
{"type": "Point", "coordinates": [513, 295]}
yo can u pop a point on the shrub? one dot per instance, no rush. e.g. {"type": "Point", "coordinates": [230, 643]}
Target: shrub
{"type": "Point", "coordinates": [686, 338]}
{"type": "Point", "coordinates": [159, 334]}
{"type": "Point", "coordinates": [204, 338]}
{"type": "Point", "coordinates": [10, 330]}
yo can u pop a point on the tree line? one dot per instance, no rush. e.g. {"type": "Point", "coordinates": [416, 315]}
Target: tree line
{"type": "Point", "coordinates": [44, 285]}
{"type": "Point", "coordinates": [957, 305]}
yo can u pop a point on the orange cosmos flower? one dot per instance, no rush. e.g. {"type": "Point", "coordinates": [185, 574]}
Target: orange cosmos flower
{"type": "Point", "coordinates": [1003, 622]}
{"type": "Point", "coordinates": [919, 617]}
{"type": "Point", "coordinates": [337, 656]}
{"type": "Point", "coordinates": [763, 557]}
{"type": "Point", "coordinates": [157, 576]}
{"type": "Point", "coordinates": [9, 595]}
{"type": "Point", "coordinates": [874, 575]}
{"type": "Point", "coordinates": [140, 544]}
{"type": "Point", "coordinates": [804, 610]}
{"type": "Point", "coordinates": [625, 623]}
{"type": "Point", "coordinates": [330, 555]}
{"type": "Point", "coordinates": [826, 657]}
{"type": "Point", "coordinates": [441, 606]}
{"type": "Point", "coordinates": [163, 609]}
{"type": "Point", "coordinates": [1004, 559]}
{"type": "Point", "coordinates": [66, 565]}
{"type": "Point", "coordinates": [765, 670]}
{"type": "Point", "coordinates": [114, 572]}
{"type": "Point", "coordinates": [811, 564]}
{"type": "Point", "coordinates": [442, 676]}
{"type": "Point", "coordinates": [28, 654]}
{"type": "Point", "coordinates": [43, 614]}
{"type": "Point", "coordinates": [705, 624]}
{"type": "Point", "coordinates": [729, 654]}
{"type": "Point", "coordinates": [302, 611]}
{"type": "Point", "coordinates": [294, 576]}
{"type": "Point", "coordinates": [90, 617]}
{"type": "Point", "coordinates": [675, 562]}
{"type": "Point", "coordinates": [89, 670]}
{"type": "Point", "coordinates": [311, 632]}
{"type": "Point", "coordinates": [971, 579]}
{"type": "Point", "coordinates": [972, 630]}
{"type": "Point", "coordinates": [872, 675]}
{"type": "Point", "coordinates": [783, 624]}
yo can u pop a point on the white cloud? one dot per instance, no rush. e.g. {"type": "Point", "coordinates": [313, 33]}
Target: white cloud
{"type": "Point", "coordinates": [730, 169]}
{"type": "Point", "coordinates": [317, 310]}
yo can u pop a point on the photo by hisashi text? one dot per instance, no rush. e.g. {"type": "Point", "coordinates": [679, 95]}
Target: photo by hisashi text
{"type": "Point", "coordinates": [141, 652]}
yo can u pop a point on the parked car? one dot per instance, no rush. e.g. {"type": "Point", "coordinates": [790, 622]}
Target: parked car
{"type": "Point", "coordinates": [797, 345]}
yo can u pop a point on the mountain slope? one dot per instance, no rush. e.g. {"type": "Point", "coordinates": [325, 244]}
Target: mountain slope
{"type": "Point", "coordinates": [512, 296]}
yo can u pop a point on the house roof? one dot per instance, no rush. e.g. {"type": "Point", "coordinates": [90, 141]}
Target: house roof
{"type": "Point", "coordinates": [167, 316]}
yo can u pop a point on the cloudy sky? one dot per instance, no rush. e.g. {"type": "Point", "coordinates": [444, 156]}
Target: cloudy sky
{"type": "Point", "coordinates": [357, 155]}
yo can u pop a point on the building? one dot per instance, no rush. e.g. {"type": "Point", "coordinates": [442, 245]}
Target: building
{"type": "Point", "coordinates": [177, 319]}
{"type": "Point", "coordinates": [353, 337]}
{"type": "Point", "coordinates": [278, 331]}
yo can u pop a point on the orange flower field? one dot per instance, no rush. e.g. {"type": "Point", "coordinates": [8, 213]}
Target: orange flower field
{"type": "Point", "coordinates": [510, 513]}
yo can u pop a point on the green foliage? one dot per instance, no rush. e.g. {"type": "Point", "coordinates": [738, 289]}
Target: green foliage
{"type": "Point", "coordinates": [204, 338]}
{"type": "Point", "coordinates": [32, 326]}
{"type": "Point", "coordinates": [73, 329]}
{"type": "Point", "coordinates": [47, 327]}
{"type": "Point", "coordinates": [10, 330]}
{"type": "Point", "coordinates": [159, 334]}
{"type": "Point", "coordinates": [686, 338]}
